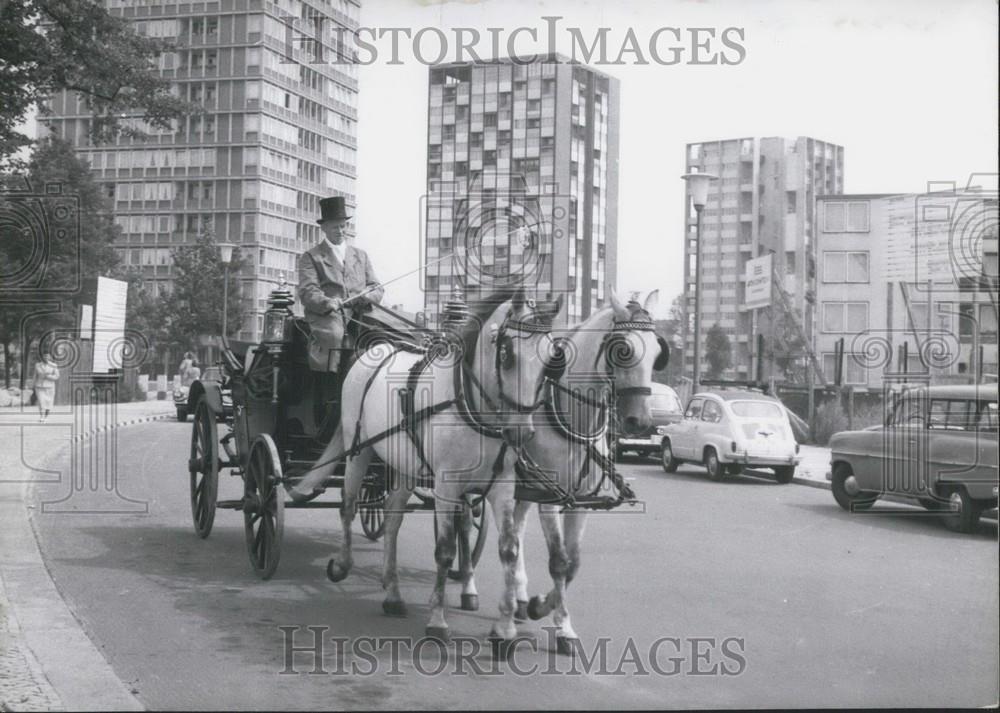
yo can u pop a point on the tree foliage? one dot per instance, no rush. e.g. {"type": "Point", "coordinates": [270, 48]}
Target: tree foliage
{"type": "Point", "coordinates": [194, 306]}
{"type": "Point", "coordinates": [46, 251]}
{"type": "Point", "coordinates": [718, 351]}
{"type": "Point", "coordinates": [52, 45]}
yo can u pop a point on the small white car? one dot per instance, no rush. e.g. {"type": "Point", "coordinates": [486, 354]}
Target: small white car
{"type": "Point", "coordinates": [731, 430]}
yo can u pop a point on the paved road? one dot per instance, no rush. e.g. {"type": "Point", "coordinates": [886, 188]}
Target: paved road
{"type": "Point", "coordinates": [824, 608]}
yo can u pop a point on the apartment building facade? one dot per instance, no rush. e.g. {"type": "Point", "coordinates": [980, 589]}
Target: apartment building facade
{"type": "Point", "coordinates": [522, 181]}
{"type": "Point", "coordinates": [909, 282]}
{"type": "Point", "coordinates": [278, 133]}
{"type": "Point", "coordinates": [762, 202]}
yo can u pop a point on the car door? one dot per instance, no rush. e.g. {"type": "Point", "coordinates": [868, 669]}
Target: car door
{"type": "Point", "coordinates": [961, 450]}
{"type": "Point", "coordinates": [685, 431]}
{"type": "Point", "coordinates": [711, 425]}
{"type": "Point", "coordinates": [905, 465]}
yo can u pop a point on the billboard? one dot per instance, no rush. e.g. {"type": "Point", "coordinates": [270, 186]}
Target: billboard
{"type": "Point", "coordinates": [109, 324]}
{"type": "Point", "coordinates": [758, 282]}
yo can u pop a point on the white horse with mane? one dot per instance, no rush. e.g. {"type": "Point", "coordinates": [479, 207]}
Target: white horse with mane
{"type": "Point", "coordinates": [466, 402]}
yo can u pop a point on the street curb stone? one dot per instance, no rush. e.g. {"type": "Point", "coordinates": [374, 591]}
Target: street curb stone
{"type": "Point", "coordinates": [47, 660]}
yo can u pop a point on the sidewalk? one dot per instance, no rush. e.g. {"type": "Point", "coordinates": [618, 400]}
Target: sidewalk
{"type": "Point", "coordinates": [47, 662]}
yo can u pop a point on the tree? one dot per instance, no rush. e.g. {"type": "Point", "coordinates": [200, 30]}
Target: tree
{"type": "Point", "coordinates": [46, 250]}
{"type": "Point", "coordinates": [786, 349]}
{"type": "Point", "coordinates": [718, 351]}
{"type": "Point", "coordinates": [194, 305]}
{"type": "Point", "coordinates": [52, 45]}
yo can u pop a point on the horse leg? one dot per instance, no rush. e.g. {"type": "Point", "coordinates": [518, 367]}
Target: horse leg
{"type": "Point", "coordinates": [354, 473]}
{"type": "Point", "coordinates": [574, 522]}
{"type": "Point", "coordinates": [395, 507]}
{"type": "Point", "coordinates": [521, 574]}
{"type": "Point", "coordinates": [470, 595]}
{"type": "Point", "coordinates": [444, 555]}
{"type": "Point", "coordinates": [552, 525]}
{"type": "Point", "coordinates": [504, 629]}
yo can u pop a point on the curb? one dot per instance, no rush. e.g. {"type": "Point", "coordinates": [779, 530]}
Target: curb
{"type": "Point", "coordinates": [809, 482]}
{"type": "Point", "coordinates": [47, 659]}
{"type": "Point", "coordinates": [122, 424]}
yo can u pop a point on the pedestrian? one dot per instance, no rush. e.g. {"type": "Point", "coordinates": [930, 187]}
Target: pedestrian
{"type": "Point", "coordinates": [46, 375]}
{"type": "Point", "coordinates": [184, 369]}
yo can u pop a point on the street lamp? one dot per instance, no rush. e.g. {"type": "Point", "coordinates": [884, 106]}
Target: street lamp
{"type": "Point", "coordinates": [225, 256]}
{"type": "Point", "coordinates": [697, 184]}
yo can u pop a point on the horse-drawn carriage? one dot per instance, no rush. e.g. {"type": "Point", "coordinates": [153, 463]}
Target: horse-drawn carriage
{"type": "Point", "coordinates": [282, 418]}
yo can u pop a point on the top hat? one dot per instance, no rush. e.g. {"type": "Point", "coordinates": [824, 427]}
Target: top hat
{"type": "Point", "coordinates": [332, 209]}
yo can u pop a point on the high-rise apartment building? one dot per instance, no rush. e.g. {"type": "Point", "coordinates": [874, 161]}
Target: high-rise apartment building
{"type": "Point", "coordinates": [522, 178]}
{"type": "Point", "coordinates": [762, 202]}
{"type": "Point", "coordinates": [279, 132]}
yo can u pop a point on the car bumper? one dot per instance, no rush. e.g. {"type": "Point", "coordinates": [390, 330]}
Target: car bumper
{"type": "Point", "coordinates": [650, 442]}
{"type": "Point", "coordinates": [763, 461]}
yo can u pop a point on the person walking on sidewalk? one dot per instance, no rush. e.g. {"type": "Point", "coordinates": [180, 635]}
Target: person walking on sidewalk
{"type": "Point", "coordinates": [46, 375]}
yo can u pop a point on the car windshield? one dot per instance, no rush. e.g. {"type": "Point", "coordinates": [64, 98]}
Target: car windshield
{"type": "Point", "coordinates": [665, 402]}
{"type": "Point", "coordinates": [756, 409]}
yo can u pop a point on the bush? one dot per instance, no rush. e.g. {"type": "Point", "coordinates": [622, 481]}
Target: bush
{"type": "Point", "coordinates": [831, 418]}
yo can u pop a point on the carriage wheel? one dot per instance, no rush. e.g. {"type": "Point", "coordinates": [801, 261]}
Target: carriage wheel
{"type": "Point", "coordinates": [477, 537]}
{"type": "Point", "coordinates": [203, 467]}
{"type": "Point", "coordinates": [263, 506]}
{"type": "Point", "coordinates": [371, 505]}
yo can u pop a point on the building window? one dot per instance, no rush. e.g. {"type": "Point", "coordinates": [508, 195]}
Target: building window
{"type": "Point", "coordinates": [845, 317]}
{"type": "Point", "coordinates": [790, 203]}
{"type": "Point", "coordinates": [845, 217]}
{"type": "Point", "coordinates": [843, 266]}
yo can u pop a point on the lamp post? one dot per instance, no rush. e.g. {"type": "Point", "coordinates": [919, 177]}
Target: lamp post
{"type": "Point", "coordinates": [697, 184]}
{"type": "Point", "coordinates": [225, 256]}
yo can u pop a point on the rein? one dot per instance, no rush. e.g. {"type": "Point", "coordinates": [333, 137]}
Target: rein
{"type": "Point", "coordinates": [529, 468]}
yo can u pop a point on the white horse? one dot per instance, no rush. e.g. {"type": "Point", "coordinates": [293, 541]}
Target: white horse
{"type": "Point", "coordinates": [615, 345]}
{"type": "Point", "coordinates": [461, 404]}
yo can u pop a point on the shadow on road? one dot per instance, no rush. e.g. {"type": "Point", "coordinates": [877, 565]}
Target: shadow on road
{"type": "Point", "coordinates": [900, 518]}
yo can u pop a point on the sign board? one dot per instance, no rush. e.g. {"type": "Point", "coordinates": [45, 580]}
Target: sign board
{"type": "Point", "coordinates": [109, 324]}
{"type": "Point", "coordinates": [758, 282]}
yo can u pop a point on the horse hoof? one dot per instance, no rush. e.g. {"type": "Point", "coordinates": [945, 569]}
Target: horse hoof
{"type": "Point", "coordinates": [334, 572]}
{"type": "Point", "coordinates": [566, 646]}
{"type": "Point", "coordinates": [438, 633]}
{"type": "Point", "coordinates": [521, 613]}
{"type": "Point", "coordinates": [535, 608]}
{"type": "Point", "coordinates": [393, 608]}
{"type": "Point", "coordinates": [470, 602]}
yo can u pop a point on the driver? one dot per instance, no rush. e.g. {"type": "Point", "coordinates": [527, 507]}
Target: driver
{"type": "Point", "coordinates": [329, 275]}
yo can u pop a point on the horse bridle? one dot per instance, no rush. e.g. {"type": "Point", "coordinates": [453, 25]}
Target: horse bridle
{"type": "Point", "coordinates": [610, 344]}
{"type": "Point", "coordinates": [503, 352]}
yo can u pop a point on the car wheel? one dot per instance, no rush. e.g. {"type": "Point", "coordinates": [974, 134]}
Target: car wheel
{"type": "Point", "coordinates": [963, 512]}
{"type": "Point", "coordinates": [667, 459]}
{"type": "Point", "coordinates": [784, 473]}
{"type": "Point", "coordinates": [846, 491]}
{"type": "Point", "coordinates": [182, 414]}
{"type": "Point", "coordinates": [715, 469]}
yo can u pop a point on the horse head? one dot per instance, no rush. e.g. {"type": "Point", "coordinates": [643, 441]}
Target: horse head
{"type": "Point", "coordinates": [633, 351]}
{"type": "Point", "coordinates": [517, 334]}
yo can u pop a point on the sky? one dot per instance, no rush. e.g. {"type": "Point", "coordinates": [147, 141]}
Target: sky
{"type": "Point", "coordinates": [909, 88]}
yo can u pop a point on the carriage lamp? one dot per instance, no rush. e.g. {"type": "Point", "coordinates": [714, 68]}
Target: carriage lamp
{"type": "Point", "coordinates": [277, 317]}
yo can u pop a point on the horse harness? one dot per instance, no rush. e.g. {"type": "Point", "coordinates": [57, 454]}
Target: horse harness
{"type": "Point", "coordinates": [465, 383]}
{"type": "Point", "coordinates": [613, 350]}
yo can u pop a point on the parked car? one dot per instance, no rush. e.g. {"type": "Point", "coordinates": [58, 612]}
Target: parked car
{"type": "Point", "coordinates": [730, 430]}
{"type": "Point", "coordinates": [665, 408]}
{"type": "Point", "coordinates": [938, 446]}
{"type": "Point", "coordinates": [186, 397]}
